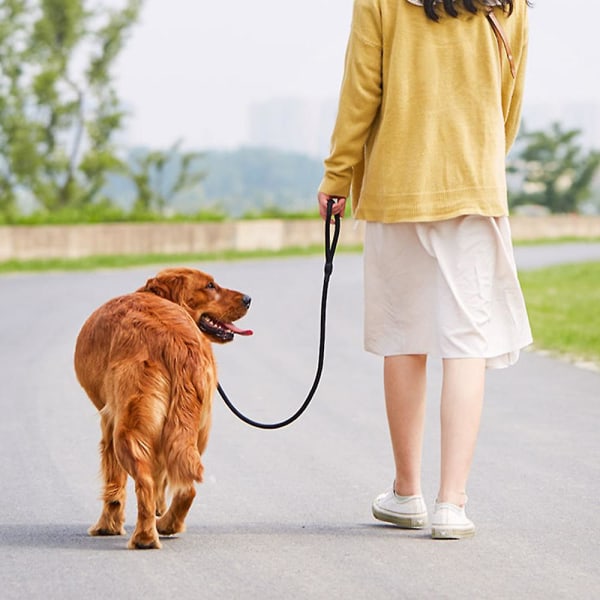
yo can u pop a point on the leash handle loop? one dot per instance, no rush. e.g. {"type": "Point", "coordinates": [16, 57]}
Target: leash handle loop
{"type": "Point", "coordinates": [330, 245]}
{"type": "Point", "coordinates": [330, 248]}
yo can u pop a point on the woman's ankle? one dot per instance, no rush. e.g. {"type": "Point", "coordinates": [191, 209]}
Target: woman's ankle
{"type": "Point", "coordinates": [407, 488]}
{"type": "Point", "coordinates": [450, 497]}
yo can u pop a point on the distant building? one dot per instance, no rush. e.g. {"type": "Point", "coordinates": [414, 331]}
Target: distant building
{"type": "Point", "coordinates": [292, 124]}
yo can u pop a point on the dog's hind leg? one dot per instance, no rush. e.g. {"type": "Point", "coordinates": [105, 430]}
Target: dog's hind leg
{"type": "Point", "coordinates": [184, 437]}
{"type": "Point", "coordinates": [173, 521]}
{"type": "Point", "coordinates": [184, 468]}
{"type": "Point", "coordinates": [160, 492]}
{"type": "Point", "coordinates": [115, 478]}
{"type": "Point", "coordinates": [145, 535]}
{"type": "Point", "coordinates": [139, 418]}
{"type": "Point", "coordinates": [136, 455]}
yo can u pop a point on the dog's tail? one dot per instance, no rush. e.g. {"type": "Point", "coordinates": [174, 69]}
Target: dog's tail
{"type": "Point", "coordinates": [185, 434]}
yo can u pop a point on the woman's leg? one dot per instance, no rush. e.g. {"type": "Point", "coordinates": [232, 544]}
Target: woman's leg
{"type": "Point", "coordinates": [405, 386]}
{"type": "Point", "coordinates": [461, 406]}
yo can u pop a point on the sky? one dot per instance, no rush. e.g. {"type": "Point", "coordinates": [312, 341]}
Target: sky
{"type": "Point", "coordinates": [191, 68]}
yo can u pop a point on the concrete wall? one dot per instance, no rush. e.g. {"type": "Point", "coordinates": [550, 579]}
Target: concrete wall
{"type": "Point", "coordinates": [75, 241]}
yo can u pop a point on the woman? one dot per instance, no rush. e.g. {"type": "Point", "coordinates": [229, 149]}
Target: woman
{"type": "Point", "coordinates": [429, 106]}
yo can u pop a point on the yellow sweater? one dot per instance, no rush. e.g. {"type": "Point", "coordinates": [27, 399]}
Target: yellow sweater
{"type": "Point", "coordinates": [427, 113]}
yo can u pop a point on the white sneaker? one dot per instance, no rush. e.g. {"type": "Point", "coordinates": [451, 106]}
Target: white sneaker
{"type": "Point", "coordinates": [450, 522]}
{"type": "Point", "coordinates": [408, 512]}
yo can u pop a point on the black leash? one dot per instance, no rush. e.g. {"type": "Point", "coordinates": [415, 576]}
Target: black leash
{"type": "Point", "coordinates": [330, 246]}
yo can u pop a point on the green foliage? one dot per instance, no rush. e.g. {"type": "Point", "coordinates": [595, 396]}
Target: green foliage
{"type": "Point", "coordinates": [553, 169]}
{"type": "Point", "coordinates": [259, 181]}
{"type": "Point", "coordinates": [97, 212]}
{"type": "Point", "coordinates": [159, 176]}
{"type": "Point", "coordinates": [563, 302]}
{"type": "Point", "coordinates": [58, 109]}
{"type": "Point", "coordinates": [105, 211]}
{"type": "Point", "coordinates": [247, 183]}
{"type": "Point", "coordinates": [275, 212]}
{"type": "Point", "coordinates": [59, 114]}
{"type": "Point", "coordinates": [131, 260]}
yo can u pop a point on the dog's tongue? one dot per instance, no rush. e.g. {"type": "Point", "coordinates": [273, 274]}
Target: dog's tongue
{"type": "Point", "coordinates": [237, 330]}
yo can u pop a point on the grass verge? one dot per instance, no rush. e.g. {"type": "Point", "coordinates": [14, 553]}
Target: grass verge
{"type": "Point", "coordinates": [557, 240]}
{"type": "Point", "coordinates": [564, 309]}
{"type": "Point", "coordinates": [119, 262]}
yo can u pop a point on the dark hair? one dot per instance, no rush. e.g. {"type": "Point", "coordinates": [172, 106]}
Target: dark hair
{"type": "Point", "coordinates": [470, 5]}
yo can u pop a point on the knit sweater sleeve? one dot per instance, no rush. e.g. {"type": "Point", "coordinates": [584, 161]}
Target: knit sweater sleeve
{"type": "Point", "coordinates": [360, 98]}
{"type": "Point", "coordinates": [514, 102]}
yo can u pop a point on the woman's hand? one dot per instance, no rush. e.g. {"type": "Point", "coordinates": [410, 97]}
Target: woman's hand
{"type": "Point", "coordinates": [339, 205]}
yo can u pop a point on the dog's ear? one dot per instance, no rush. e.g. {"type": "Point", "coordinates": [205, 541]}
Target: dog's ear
{"type": "Point", "coordinates": [166, 285]}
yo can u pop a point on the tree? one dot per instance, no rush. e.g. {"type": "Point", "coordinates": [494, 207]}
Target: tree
{"type": "Point", "coordinates": [160, 175]}
{"type": "Point", "coordinates": [553, 170]}
{"type": "Point", "coordinates": [58, 108]}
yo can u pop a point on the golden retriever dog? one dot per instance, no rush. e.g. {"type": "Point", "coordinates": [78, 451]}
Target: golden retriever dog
{"type": "Point", "coordinates": [146, 362]}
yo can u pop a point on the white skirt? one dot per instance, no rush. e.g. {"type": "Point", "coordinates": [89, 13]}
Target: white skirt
{"type": "Point", "coordinates": [445, 288]}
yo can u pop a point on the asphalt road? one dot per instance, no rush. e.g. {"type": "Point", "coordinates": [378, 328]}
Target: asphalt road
{"type": "Point", "coordinates": [286, 514]}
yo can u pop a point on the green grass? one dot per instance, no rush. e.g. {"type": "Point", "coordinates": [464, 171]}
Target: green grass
{"type": "Point", "coordinates": [118, 262]}
{"type": "Point", "coordinates": [107, 213]}
{"type": "Point", "coordinates": [564, 309]}
{"type": "Point", "coordinates": [558, 240]}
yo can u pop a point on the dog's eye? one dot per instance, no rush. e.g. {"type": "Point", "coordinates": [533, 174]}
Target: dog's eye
{"type": "Point", "coordinates": [210, 285]}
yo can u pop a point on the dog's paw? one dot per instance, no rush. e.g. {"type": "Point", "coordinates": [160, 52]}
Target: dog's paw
{"type": "Point", "coordinates": [168, 526]}
{"type": "Point", "coordinates": [144, 541]}
{"type": "Point", "coordinates": [103, 529]}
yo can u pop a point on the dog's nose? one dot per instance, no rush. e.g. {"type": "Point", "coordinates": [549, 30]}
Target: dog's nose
{"type": "Point", "coordinates": [246, 300]}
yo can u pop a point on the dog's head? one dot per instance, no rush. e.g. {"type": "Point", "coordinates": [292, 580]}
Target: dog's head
{"type": "Point", "coordinates": [212, 307]}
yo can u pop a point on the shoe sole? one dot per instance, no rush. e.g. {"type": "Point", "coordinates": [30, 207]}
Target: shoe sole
{"type": "Point", "coordinates": [418, 521]}
{"type": "Point", "coordinates": [451, 533]}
